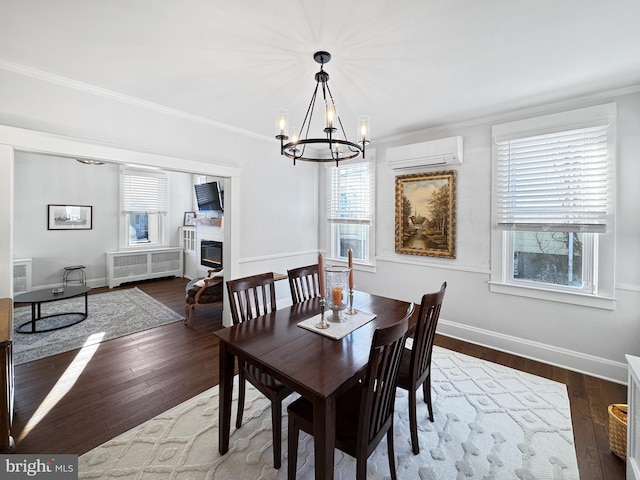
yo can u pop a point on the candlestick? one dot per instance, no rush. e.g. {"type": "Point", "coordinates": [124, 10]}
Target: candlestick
{"type": "Point", "coordinates": [351, 310]}
{"type": "Point", "coordinates": [322, 324]}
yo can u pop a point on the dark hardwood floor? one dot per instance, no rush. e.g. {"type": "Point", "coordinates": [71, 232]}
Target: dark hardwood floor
{"type": "Point", "coordinates": [132, 379]}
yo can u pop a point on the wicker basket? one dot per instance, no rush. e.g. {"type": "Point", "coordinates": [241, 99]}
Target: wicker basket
{"type": "Point", "coordinates": [618, 429]}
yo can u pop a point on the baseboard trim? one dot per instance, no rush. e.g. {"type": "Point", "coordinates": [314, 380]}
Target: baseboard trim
{"type": "Point", "coordinates": [559, 357]}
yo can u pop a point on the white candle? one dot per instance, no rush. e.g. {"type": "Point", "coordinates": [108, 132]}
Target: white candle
{"type": "Point", "coordinates": [321, 282]}
{"type": "Point", "coordinates": [350, 257]}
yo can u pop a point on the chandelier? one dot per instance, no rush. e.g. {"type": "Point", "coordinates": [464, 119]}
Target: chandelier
{"type": "Point", "coordinates": [332, 145]}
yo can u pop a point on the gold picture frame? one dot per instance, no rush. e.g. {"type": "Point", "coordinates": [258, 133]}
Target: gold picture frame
{"type": "Point", "coordinates": [426, 214]}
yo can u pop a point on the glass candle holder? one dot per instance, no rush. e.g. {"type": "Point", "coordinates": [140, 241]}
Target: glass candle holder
{"type": "Point", "coordinates": [337, 282]}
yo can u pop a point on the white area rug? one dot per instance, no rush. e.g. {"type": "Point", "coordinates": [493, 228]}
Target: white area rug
{"type": "Point", "coordinates": [111, 315]}
{"type": "Point", "coordinates": [491, 422]}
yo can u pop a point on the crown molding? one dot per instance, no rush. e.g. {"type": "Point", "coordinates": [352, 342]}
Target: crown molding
{"type": "Point", "coordinates": [515, 113]}
{"type": "Point", "coordinates": [113, 95]}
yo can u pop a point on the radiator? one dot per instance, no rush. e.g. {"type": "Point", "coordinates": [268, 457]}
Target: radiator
{"type": "Point", "coordinates": [143, 265]}
{"type": "Point", "coordinates": [21, 275]}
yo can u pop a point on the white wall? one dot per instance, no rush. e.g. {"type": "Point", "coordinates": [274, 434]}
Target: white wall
{"type": "Point", "coordinates": [40, 180]}
{"type": "Point", "coordinates": [581, 338]}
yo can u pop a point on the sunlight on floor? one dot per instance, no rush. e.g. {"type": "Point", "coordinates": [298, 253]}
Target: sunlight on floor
{"type": "Point", "coordinates": [66, 381]}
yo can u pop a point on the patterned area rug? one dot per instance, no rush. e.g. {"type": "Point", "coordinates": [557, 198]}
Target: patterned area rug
{"type": "Point", "coordinates": [491, 422]}
{"type": "Point", "coordinates": [111, 315]}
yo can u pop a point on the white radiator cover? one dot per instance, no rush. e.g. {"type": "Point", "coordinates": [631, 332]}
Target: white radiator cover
{"type": "Point", "coordinates": [21, 275]}
{"type": "Point", "coordinates": [131, 266]}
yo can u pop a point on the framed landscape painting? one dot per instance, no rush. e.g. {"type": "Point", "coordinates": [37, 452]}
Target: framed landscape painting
{"type": "Point", "coordinates": [70, 217]}
{"type": "Point", "coordinates": [426, 214]}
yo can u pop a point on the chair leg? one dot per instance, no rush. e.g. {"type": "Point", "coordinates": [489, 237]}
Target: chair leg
{"type": "Point", "coordinates": [361, 468]}
{"type": "Point", "coordinates": [426, 391]}
{"type": "Point", "coordinates": [186, 313]}
{"type": "Point", "coordinates": [276, 425]}
{"type": "Point", "coordinates": [390, 452]}
{"type": "Point", "coordinates": [292, 446]}
{"type": "Point", "coordinates": [241, 391]}
{"type": "Point", "coordinates": [413, 422]}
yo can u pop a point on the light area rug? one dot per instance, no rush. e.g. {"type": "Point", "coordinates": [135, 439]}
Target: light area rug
{"type": "Point", "coordinates": [491, 422]}
{"type": "Point", "coordinates": [111, 315]}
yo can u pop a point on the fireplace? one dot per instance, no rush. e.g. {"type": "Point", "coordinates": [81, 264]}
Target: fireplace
{"type": "Point", "coordinates": [211, 254]}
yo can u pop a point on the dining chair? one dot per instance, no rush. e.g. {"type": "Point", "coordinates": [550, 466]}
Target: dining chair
{"type": "Point", "coordinates": [250, 297]}
{"type": "Point", "coordinates": [415, 366]}
{"type": "Point", "coordinates": [303, 282]}
{"type": "Point", "coordinates": [364, 412]}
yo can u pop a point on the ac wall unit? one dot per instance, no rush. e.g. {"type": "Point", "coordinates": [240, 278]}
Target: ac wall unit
{"type": "Point", "coordinates": [446, 151]}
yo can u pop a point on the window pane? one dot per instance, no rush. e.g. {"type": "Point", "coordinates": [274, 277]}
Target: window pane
{"type": "Point", "coordinates": [351, 236]}
{"type": "Point", "coordinates": [549, 257]}
{"type": "Point", "coordinates": [139, 227]}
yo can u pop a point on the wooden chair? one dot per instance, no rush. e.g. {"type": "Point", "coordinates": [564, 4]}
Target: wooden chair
{"type": "Point", "coordinates": [303, 282]}
{"type": "Point", "coordinates": [203, 291]}
{"type": "Point", "coordinates": [252, 297]}
{"type": "Point", "coordinates": [364, 412]}
{"type": "Point", "coordinates": [415, 366]}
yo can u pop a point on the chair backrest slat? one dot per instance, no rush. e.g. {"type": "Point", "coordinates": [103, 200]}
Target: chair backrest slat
{"type": "Point", "coordinates": [303, 282]}
{"type": "Point", "coordinates": [251, 297]}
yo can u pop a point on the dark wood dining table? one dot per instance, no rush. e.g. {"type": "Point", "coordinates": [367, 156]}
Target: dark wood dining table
{"type": "Point", "coordinates": [315, 366]}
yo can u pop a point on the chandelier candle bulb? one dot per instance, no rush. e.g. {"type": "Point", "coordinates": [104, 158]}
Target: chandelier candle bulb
{"type": "Point", "coordinates": [364, 129]}
{"type": "Point", "coordinates": [282, 123]}
{"type": "Point", "coordinates": [330, 116]}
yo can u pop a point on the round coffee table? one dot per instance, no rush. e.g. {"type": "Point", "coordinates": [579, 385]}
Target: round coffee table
{"type": "Point", "coordinates": [37, 297]}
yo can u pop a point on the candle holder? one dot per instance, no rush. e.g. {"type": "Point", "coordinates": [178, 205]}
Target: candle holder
{"type": "Point", "coordinates": [322, 324]}
{"type": "Point", "coordinates": [351, 310]}
{"type": "Point", "coordinates": [337, 279]}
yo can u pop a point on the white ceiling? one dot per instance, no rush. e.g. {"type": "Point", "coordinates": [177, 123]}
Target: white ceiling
{"type": "Point", "coordinates": [409, 64]}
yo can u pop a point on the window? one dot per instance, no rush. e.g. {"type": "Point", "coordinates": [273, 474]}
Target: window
{"type": "Point", "coordinates": [143, 199]}
{"type": "Point", "coordinates": [553, 205]}
{"type": "Point", "coordinates": [350, 197]}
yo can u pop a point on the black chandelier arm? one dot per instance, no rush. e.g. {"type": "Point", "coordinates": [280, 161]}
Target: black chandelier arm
{"type": "Point", "coordinates": [291, 150]}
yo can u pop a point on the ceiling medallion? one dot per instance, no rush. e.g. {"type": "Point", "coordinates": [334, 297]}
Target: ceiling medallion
{"type": "Point", "coordinates": [332, 145]}
{"type": "Point", "coordinates": [89, 161]}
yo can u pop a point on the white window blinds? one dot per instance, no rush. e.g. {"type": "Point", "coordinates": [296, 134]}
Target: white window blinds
{"type": "Point", "coordinates": [555, 182]}
{"type": "Point", "coordinates": [350, 193]}
{"type": "Point", "coordinates": [143, 192]}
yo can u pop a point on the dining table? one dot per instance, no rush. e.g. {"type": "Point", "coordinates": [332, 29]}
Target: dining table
{"type": "Point", "coordinates": [314, 365]}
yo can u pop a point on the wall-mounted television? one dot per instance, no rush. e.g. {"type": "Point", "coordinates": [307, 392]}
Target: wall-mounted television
{"type": "Point", "coordinates": [209, 196]}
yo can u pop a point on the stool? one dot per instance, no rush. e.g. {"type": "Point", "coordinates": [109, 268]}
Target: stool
{"type": "Point", "coordinates": [79, 273]}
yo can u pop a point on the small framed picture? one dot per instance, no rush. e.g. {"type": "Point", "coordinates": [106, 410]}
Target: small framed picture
{"type": "Point", "coordinates": [70, 217]}
{"type": "Point", "coordinates": [189, 219]}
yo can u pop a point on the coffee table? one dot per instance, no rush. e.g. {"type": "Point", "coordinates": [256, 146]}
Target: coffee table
{"type": "Point", "coordinates": [37, 297]}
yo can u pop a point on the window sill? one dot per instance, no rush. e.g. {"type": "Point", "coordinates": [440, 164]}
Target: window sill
{"type": "Point", "coordinates": [357, 266]}
{"type": "Point", "coordinates": [593, 301]}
